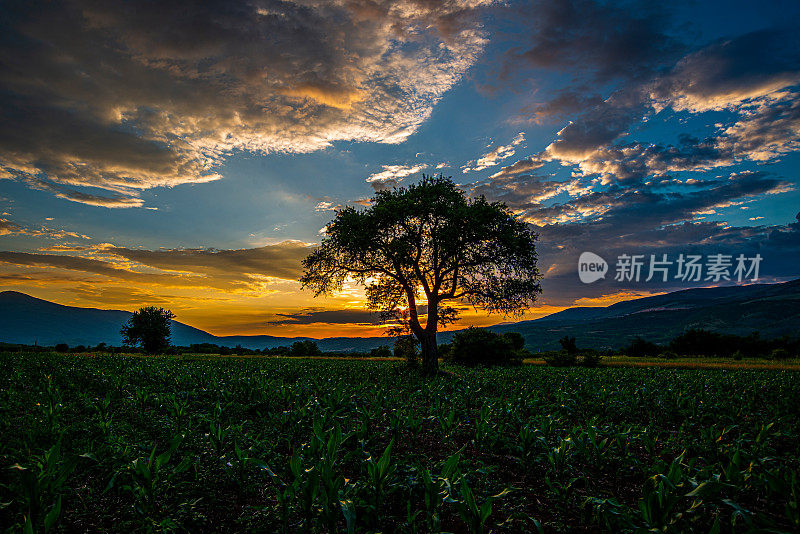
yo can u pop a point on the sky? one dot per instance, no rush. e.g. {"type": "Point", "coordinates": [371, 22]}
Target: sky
{"type": "Point", "coordinates": [189, 155]}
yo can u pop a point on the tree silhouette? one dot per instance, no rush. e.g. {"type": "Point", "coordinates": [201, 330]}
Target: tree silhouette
{"type": "Point", "coordinates": [149, 327]}
{"type": "Point", "coordinates": [429, 245]}
{"type": "Point", "coordinates": [568, 344]}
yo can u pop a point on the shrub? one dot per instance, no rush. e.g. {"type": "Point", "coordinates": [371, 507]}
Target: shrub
{"type": "Point", "coordinates": [698, 342]}
{"type": "Point", "coordinates": [640, 348]}
{"type": "Point", "coordinates": [568, 344]}
{"type": "Point", "coordinates": [304, 348]}
{"type": "Point", "coordinates": [738, 355]}
{"type": "Point", "coordinates": [668, 355]}
{"type": "Point", "coordinates": [561, 358]}
{"type": "Point", "coordinates": [407, 347]}
{"type": "Point", "coordinates": [380, 352]}
{"type": "Point", "coordinates": [516, 340]}
{"type": "Point", "coordinates": [62, 347]}
{"type": "Point", "coordinates": [591, 359]}
{"type": "Point", "coordinates": [779, 354]}
{"type": "Point", "coordinates": [479, 346]}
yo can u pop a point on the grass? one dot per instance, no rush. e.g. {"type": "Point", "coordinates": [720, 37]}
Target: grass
{"type": "Point", "coordinates": [115, 443]}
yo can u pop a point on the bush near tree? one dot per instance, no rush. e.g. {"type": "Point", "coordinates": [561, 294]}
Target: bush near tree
{"type": "Point", "coordinates": [479, 346]}
{"type": "Point", "coordinates": [568, 344]}
{"type": "Point", "coordinates": [381, 352]}
{"type": "Point", "coordinates": [407, 347]}
{"type": "Point", "coordinates": [561, 358]}
{"type": "Point", "coordinates": [779, 354]}
{"type": "Point", "coordinates": [640, 348]}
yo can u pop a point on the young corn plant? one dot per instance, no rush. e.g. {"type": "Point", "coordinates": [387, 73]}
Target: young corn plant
{"type": "Point", "coordinates": [150, 479]}
{"type": "Point", "coordinates": [475, 515]}
{"type": "Point", "coordinates": [664, 495]}
{"type": "Point", "coordinates": [40, 489]}
{"type": "Point", "coordinates": [235, 464]}
{"type": "Point", "coordinates": [142, 397]}
{"type": "Point", "coordinates": [446, 422]}
{"type": "Point", "coordinates": [379, 474]}
{"type": "Point", "coordinates": [179, 409]}
{"type": "Point", "coordinates": [484, 425]}
{"type": "Point", "coordinates": [289, 491]}
{"type": "Point", "coordinates": [529, 440]}
{"type": "Point", "coordinates": [333, 484]}
{"type": "Point", "coordinates": [218, 435]}
{"type": "Point", "coordinates": [438, 489]}
{"type": "Point", "coordinates": [52, 407]}
{"type": "Point", "coordinates": [103, 410]}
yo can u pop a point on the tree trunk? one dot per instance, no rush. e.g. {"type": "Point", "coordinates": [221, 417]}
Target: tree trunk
{"type": "Point", "coordinates": [430, 353]}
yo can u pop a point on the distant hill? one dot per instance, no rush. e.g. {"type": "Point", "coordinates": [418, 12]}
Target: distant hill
{"type": "Point", "coordinates": [26, 319]}
{"type": "Point", "coordinates": [772, 309]}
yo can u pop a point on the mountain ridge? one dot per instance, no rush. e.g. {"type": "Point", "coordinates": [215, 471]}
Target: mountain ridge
{"type": "Point", "coordinates": [773, 309]}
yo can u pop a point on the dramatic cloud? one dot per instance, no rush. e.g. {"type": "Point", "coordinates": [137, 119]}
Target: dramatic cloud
{"type": "Point", "coordinates": [281, 260]}
{"type": "Point", "coordinates": [67, 193]}
{"type": "Point", "coordinates": [121, 296]}
{"type": "Point", "coordinates": [8, 227]}
{"type": "Point", "coordinates": [607, 40]}
{"type": "Point", "coordinates": [643, 221]}
{"type": "Point", "coordinates": [568, 101]}
{"type": "Point", "coordinates": [626, 65]}
{"type": "Point", "coordinates": [523, 165]}
{"type": "Point", "coordinates": [751, 74]}
{"type": "Point", "coordinates": [392, 175]}
{"type": "Point", "coordinates": [227, 270]}
{"type": "Point", "coordinates": [126, 96]}
{"type": "Point", "coordinates": [731, 71]}
{"type": "Point", "coordinates": [645, 129]}
{"type": "Point", "coordinates": [765, 132]}
{"type": "Point", "coordinates": [597, 127]}
{"type": "Point", "coordinates": [358, 317]}
{"type": "Point", "coordinates": [495, 155]}
{"type": "Point", "coordinates": [630, 211]}
{"type": "Point", "coordinates": [525, 194]}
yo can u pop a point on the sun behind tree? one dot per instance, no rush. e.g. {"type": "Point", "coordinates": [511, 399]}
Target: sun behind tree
{"type": "Point", "coordinates": [149, 327]}
{"type": "Point", "coordinates": [429, 243]}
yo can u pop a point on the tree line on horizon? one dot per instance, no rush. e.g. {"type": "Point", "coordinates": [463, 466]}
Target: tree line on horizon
{"type": "Point", "coordinates": [481, 346]}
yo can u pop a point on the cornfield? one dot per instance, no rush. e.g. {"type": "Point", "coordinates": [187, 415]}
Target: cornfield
{"type": "Point", "coordinates": [116, 443]}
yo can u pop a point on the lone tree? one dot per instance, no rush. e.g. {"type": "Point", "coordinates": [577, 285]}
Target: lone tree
{"type": "Point", "coordinates": [148, 327]}
{"type": "Point", "coordinates": [428, 244]}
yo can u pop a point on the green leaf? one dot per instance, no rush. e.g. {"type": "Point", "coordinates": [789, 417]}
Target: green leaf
{"type": "Point", "coordinates": [52, 516]}
{"type": "Point", "coordinates": [450, 465]}
{"type": "Point", "coordinates": [486, 510]}
{"type": "Point", "coordinates": [704, 489]}
{"type": "Point", "coordinates": [504, 492]}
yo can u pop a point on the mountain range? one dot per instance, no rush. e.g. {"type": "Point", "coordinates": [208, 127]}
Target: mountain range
{"type": "Point", "coordinates": [772, 309]}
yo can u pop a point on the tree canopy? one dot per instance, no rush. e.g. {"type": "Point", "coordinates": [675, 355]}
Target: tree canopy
{"type": "Point", "coordinates": [428, 245]}
{"type": "Point", "coordinates": [149, 327]}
